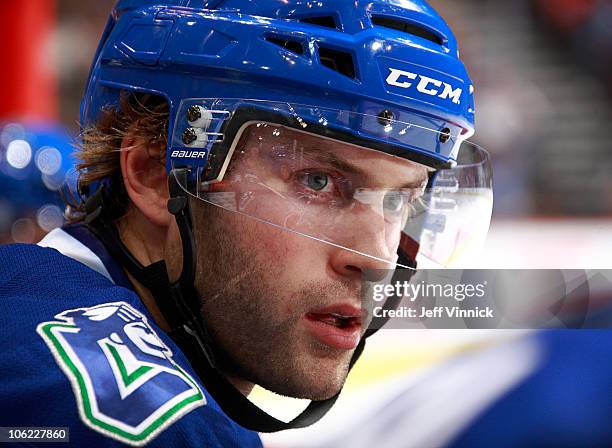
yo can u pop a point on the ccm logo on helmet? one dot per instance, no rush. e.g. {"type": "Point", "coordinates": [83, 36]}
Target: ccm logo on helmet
{"type": "Point", "coordinates": [426, 85]}
{"type": "Point", "coordinates": [189, 154]}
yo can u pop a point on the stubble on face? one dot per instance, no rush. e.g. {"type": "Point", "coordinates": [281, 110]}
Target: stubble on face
{"type": "Point", "coordinates": [253, 310]}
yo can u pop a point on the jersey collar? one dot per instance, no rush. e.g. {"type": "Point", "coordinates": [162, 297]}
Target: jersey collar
{"type": "Point", "coordinates": [76, 241]}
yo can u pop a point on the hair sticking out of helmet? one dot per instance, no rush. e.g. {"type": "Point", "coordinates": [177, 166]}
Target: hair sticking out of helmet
{"type": "Point", "coordinates": [143, 116]}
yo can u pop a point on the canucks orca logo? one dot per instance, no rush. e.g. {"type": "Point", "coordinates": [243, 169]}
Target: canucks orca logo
{"type": "Point", "coordinates": [126, 384]}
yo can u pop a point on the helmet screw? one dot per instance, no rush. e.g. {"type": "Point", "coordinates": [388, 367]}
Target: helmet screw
{"type": "Point", "coordinates": [445, 135]}
{"type": "Point", "coordinates": [189, 136]}
{"type": "Point", "coordinates": [193, 113]}
{"type": "Point", "coordinates": [385, 117]}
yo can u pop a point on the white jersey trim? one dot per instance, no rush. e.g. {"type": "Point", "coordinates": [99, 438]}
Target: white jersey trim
{"type": "Point", "coordinates": [69, 246]}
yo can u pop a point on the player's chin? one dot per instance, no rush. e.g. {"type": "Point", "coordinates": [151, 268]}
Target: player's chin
{"type": "Point", "coordinates": [321, 377]}
{"type": "Point", "coordinates": [327, 388]}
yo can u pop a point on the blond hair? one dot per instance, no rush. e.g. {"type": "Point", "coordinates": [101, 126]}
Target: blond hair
{"type": "Point", "coordinates": [144, 116]}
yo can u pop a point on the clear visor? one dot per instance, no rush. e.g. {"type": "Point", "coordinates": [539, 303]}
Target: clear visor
{"type": "Point", "coordinates": [384, 207]}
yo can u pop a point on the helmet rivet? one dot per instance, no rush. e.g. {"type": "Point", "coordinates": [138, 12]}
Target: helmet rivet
{"type": "Point", "coordinates": [189, 136]}
{"type": "Point", "coordinates": [445, 135]}
{"type": "Point", "coordinates": [385, 117]}
{"type": "Point", "coordinates": [194, 113]}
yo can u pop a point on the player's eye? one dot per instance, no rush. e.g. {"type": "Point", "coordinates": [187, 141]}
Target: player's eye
{"type": "Point", "coordinates": [394, 201]}
{"type": "Point", "coordinates": [316, 181]}
{"type": "Point", "coordinates": [323, 187]}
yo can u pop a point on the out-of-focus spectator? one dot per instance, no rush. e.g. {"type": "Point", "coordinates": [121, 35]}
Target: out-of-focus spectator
{"type": "Point", "coordinates": [79, 27]}
{"type": "Point", "coordinates": [35, 163]}
{"type": "Point", "coordinates": [567, 15]}
{"type": "Point", "coordinates": [49, 45]}
{"type": "Point", "coordinates": [586, 26]}
{"type": "Point", "coordinates": [596, 42]}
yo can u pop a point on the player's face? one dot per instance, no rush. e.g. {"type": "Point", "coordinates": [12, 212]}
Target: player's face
{"type": "Point", "coordinates": [287, 308]}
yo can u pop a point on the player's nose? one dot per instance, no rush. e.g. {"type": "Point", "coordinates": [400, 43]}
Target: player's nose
{"type": "Point", "coordinates": [369, 245]}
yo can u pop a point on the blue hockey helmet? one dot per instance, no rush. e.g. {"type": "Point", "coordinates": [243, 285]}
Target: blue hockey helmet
{"type": "Point", "coordinates": [382, 75]}
{"type": "Point", "coordinates": [392, 60]}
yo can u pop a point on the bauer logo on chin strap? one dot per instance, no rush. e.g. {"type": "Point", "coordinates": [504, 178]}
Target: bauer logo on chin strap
{"type": "Point", "coordinates": [126, 384]}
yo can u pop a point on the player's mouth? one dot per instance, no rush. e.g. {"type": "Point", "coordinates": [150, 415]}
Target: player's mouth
{"type": "Point", "coordinates": [337, 326]}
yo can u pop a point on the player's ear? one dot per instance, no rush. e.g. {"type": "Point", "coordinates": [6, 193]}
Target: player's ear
{"type": "Point", "coordinates": [145, 178]}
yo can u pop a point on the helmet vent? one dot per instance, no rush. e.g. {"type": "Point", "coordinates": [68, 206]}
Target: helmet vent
{"type": "Point", "coordinates": [407, 27]}
{"type": "Point", "coordinates": [324, 21]}
{"type": "Point", "coordinates": [290, 45]}
{"type": "Point", "coordinates": [339, 61]}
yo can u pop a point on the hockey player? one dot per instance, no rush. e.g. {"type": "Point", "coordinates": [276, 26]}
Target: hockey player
{"type": "Point", "coordinates": [243, 165]}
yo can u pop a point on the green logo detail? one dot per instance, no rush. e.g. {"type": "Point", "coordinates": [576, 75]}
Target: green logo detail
{"type": "Point", "coordinates": [128, 378]}
{"type": "Point", "coordinates": [131, 375]}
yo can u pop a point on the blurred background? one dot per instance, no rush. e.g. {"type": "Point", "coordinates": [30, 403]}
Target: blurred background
{"type": "Point", "coordinates": [543, 76]}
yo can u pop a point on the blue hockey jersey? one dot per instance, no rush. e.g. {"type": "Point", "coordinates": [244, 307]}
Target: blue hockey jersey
{"type": "Point", "coordinates": [565, 401]}
{"type": "Point", "coordinates": [81, 351]}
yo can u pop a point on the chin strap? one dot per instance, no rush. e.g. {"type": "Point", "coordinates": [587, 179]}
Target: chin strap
{"type": "Point", "coordinates": [179, 303]}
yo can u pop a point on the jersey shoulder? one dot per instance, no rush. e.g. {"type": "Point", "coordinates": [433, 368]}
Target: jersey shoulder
{"type": "Point", "coordinates": [86, 354]}
{"type": "Point", "coordinates": [29, 273]}
{"type": "Point", "coordinates": [565, 401]}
